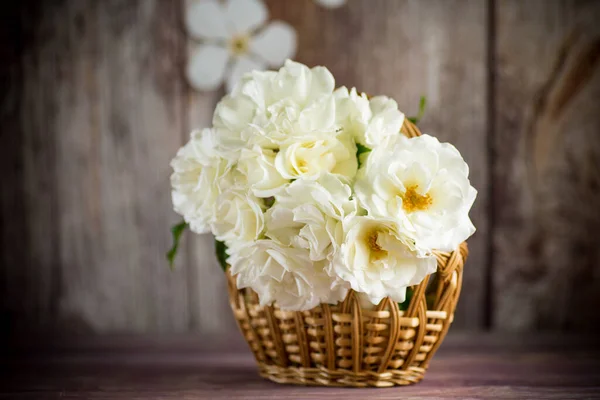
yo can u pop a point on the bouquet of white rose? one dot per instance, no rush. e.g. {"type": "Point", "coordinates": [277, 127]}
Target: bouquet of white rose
{"type": "Point", "coordinates": [313, 191]}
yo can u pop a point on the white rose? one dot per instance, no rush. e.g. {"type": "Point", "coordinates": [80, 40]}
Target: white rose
{"type": "Point", "coordinates": [377, 260]}
{"type": "Point", "coordinates": [423, 185]}
{"type": "Point", "coordinates": [371, 122]}
{"type": "Point", "coordinates": [284, 275]}
{"type": "Point", "coordinates": [199, 176]}
{"type": "Point", "coordinates": [309, 214]}
{"type": "Point", "coordinates": [238, 216]}
{"type": "Point", "coordinates": [258, 166]}
{"type": "Point", "coordinates": [272, 108]}
{"type": "Point", "coordinates": [232, 117]}
{"type": "Point", "coordinates": [310, 157]}
{"type": "Point", "coordinates": [294, 81]}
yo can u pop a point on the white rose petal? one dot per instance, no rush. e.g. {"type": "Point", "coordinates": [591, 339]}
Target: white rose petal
{"type": "Point", "coordinates": [301, 84]}
{"type": "Point", "coordinates": [199, 176]}
{"type": "Point", "coordinates": [258, 166]}
{"type": "Point", "coordinates": [310, 157]}
{"type": "Point", "coordinates": [377, 260]}
{"type": "Point", "coordinates": [270, 109]}
{"type": "Point", "coordinates": [372, 121]}
{"type": "Point", "coordinates": [284, 275]}
{"type": "Point", "coordinates": [423, 185]}
{"type": "Point", "coordinates": [238, 217]}
{"type": "Point", "coordinates": [309, 214]}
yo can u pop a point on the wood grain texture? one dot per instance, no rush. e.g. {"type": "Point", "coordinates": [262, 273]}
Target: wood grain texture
{"type": "Point", "coordinates": [481, 367]}
{"type": "Point", "coordinates": [99, 117]}
{"type": "Point", "coordinates": [546, 168]}
{"type": "Point", "coordinates": [408, 49]}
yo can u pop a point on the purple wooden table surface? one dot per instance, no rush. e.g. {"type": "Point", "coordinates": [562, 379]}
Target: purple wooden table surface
{"type": "Point", "coordinates": [193, 367]}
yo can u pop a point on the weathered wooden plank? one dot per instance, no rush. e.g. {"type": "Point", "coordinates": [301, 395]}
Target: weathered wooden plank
{"type": "Point", "coordinates": [100, 117]}
{"type": "Point", "coordinates": [546, 169]}
{"type": "Point", "coordinates": [405, 49]}
{"type": "Point", "coordinates": [27, 163]}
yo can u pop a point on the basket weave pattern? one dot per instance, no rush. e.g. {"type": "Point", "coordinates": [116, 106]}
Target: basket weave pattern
{"type": "Point", "coordinates": [346, 345]}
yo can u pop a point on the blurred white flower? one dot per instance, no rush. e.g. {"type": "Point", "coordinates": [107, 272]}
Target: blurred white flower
{"type": "Point", "coordinates": [424, 186]}
{"type": "Point", "coordinates": [370, 121]}
{"type": "Point", "coordinates": [234, 40]}
{"type": "Point", "coordinates": [377, 260]}
{"type": "Point", "coordinates": [285, 275]}
{"type": "Point", "coordinates": [331, 3]}
{"type": "Point", "coordinates": [199, 176]}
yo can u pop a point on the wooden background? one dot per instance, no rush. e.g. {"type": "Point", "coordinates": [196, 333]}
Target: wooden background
{"type": "Point", "coordinates": [94, 105]}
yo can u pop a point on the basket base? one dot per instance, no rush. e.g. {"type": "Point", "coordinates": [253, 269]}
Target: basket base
{"type": "Point", "coordinates": [340, 377]}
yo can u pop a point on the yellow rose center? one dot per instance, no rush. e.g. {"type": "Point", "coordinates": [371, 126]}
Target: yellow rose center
{"type": "Point", "coordinates": [377, 252]}
{"type": "Point", "coordinates": [413, 201]}
{"type": "Point", "coordinates": [239, 45]}
{"type": "Point", "coordinates": [302, 166]}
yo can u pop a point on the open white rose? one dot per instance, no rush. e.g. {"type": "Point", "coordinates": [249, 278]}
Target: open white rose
{"type": "Point", "coordinates": [370, 121]}
{"type": "Point", "coordinates": [310, 157]}
{"type": "Point", "coordinates": [309, 214]}
{"type": "Point", "coordinates": [270, 109]}
{"type": "Point", "coordinates": [199, 176]}
{"type": "Point", "coordinates": [377, 260]}
{"type": "Point", "coordinates": [284, 275]}
{"type": "Point", "coordinates": [258, 166]}
{"type": "Point", "coordinates": [423, 185]}
{"type": "Point", "coordinates": [238, 216]}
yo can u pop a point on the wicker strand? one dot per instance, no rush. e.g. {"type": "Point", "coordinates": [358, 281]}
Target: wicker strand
{"type": "Point", "coordinates": [244, 322]}
{"type": "Point", "coordinates": [282, 360]}
{"type": "Point", "coordinates": [392, 338]}
{"type": "Point", "coordinates": [302, 341]}
{"type": "Point", "coordinates": [329, 340]}
{"type": "Point", "coordinates": [353, 307]}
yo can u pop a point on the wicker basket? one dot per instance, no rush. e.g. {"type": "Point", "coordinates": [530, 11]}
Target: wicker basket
{"type": "Point", "coordinates": [346, 345]}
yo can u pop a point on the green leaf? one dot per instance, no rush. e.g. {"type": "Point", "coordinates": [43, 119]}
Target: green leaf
{"type": "Point", "coordinates": [360, 149]}
{"type": "Point", "coordinates": [422, 105]}
{"type": "Point", "coordinates": [221, 251]}
{"type": "Point", "coordinates": [176, 231]}
{"type": "Point", "coordinates": [409, 295]}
